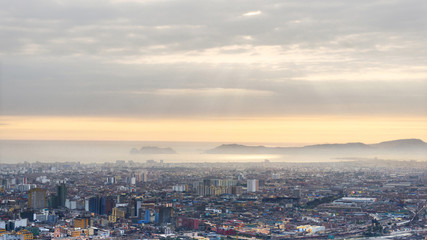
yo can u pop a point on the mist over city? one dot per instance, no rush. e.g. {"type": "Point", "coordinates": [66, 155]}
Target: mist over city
{"type": "Point", "coordinates": [213, 120]}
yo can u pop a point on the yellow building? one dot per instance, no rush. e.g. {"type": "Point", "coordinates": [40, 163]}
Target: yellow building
{"type": "Point", "coordinates": [27, 234]}
{"type": "Point", "coordinates": [76, 233]}
{"type": "Point", "coordinates": [79, 233]}
{"type": "Point", "coordinates": [117, 213]}
{"type": "Point", "coordinates": [82, 223]}
{"type": "Point", "coordinates": [112, 218]}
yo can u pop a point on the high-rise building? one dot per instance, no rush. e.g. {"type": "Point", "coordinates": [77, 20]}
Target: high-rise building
{"type": "Point", "coordinates": [180, 188]}
{"type": "Point", "coordinates": [253, 185]}
{"type": "Point", "coordinates": [94, 205]}
{"type": "Point", "coordinates": [235, 190]}
{"type": "Point", "coordinates": [138, 205]}
{"type": "Point", "coordinates": [82, 222]}
{"type": "Point", "coordinates": [101, 205]}
{"type": "Point", "coordinates": [117, 213]}
{"type": "Point", "coordinates": [209, 187]}
{"type": "Point", "coordinates": [109, 205]}
{"type": "Point", "coordinates": [61, 193]}
{"type": "Point", "coordinates": [240, 177]}
{"type": "Point", "coordinates": [165, 215]}
{"type": "Point", "coordinates": [52, 201]}
{"type": "Point", "coordinates": [142, 176]}
{"type": "Point", "coordinates": [37, 198]}
{"type": "Point", "coordinates": [133, 180]}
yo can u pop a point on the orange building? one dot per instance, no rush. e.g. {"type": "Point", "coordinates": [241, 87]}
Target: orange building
{"type": "Point", "coordinates": [82, 223]}
{"type": "Point", "coordinates": [27, 234]}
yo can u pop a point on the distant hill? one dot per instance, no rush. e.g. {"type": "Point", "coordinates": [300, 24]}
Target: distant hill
{"type": "Point", "coordinates": [401, 146]}
{"type": "Point", "coordinates": [243, 149]}
{"type": "Point", "coordinates": [152, 150]}
{"type": "Point", "coordinates": [339, 146]}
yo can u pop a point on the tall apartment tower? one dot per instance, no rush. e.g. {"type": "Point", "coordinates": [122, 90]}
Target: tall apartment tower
{"type": "Point", "coordinates": [61, 193]}
{"type": "Point", "coordinates": [37, 198]}
{"type": "Point", "coordinates": [253, 185]}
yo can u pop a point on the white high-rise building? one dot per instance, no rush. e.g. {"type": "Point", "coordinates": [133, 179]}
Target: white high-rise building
{"type": "Point", "coordinates": [133, 180]}
{"type": "Point", "coordinates": [253, 185]}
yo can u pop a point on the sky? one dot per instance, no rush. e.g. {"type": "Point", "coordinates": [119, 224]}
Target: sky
{"type": "Point", "coordinates": [224, 71]}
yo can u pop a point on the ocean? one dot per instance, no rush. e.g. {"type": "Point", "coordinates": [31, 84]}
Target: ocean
{"type": "Point", "coordinates": [16, 151]}
{"type": "Point", "coordinates": [12, 151]}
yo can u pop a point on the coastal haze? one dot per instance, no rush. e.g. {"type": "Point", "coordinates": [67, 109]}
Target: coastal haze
{"type": "Point", "coordinates": [213, 120]}
{"type": "Point", "coordinates": [181, 152]}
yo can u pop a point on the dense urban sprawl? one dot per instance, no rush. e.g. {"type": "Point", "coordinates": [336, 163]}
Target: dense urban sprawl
{"type": "Point", "coordinates": [265, 200]}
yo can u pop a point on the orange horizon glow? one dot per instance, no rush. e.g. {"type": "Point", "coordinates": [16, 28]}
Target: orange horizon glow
{"type": "Point", "coordinates": [318, 129]}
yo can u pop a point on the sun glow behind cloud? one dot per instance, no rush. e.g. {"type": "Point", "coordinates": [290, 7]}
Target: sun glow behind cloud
{"type": "Point", "coordinates": [290, 129]}
{"type": "Point", "coordinates": [252, 13]}
{"type": "Point", "coordinates": [205, 92]}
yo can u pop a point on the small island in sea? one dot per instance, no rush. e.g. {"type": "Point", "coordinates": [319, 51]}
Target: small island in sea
{"type": "Point", "coordinates": [152, 150]}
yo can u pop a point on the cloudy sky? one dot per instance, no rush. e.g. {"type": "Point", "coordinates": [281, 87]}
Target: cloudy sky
{"type": "Point", "coordinates": [248, 71]}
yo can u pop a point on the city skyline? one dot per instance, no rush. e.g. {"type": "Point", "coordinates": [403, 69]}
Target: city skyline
{"type": "Point", "coordinates": [213, 120]}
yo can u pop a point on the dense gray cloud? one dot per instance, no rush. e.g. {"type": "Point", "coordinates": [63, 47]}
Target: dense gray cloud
{"type": "Point", "coordinates": [191, 58]}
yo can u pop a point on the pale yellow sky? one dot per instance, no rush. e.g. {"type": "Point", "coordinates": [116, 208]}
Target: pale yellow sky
{"type": "Point", "coordinates": [321, 129]}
